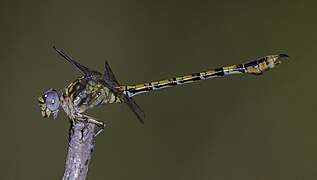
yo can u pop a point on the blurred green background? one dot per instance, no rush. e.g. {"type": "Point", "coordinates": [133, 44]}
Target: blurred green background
{"type": "Point", "coordinates": [237, 127]}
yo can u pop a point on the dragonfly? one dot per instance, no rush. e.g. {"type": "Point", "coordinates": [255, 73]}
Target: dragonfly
{"type": "Point", "coordinates": [93, 89]}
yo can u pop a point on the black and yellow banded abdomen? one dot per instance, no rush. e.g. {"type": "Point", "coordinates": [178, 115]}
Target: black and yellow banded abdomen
{"type": "Point", "coordinates": [256, 67]}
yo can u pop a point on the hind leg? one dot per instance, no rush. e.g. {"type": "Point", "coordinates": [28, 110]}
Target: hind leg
{"type": "Point", "coordinates": [89, 119]}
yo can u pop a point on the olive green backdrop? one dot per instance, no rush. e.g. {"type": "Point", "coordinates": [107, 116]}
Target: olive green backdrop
{"type": "Point", "coordinates": [237, 127]}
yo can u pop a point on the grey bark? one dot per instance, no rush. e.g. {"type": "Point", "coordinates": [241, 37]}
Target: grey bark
{"type": "Point", "coordinates": [80, 148]}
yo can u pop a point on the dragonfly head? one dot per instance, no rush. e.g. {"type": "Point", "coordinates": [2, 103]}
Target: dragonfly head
{"type": "Point", "coordinates": [49, 103]}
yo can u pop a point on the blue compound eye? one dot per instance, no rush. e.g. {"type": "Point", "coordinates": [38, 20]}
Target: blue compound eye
{"type": "Point", "coordinates": [52, 100]}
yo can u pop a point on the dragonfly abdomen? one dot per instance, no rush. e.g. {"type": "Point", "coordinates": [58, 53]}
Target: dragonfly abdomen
{"type": "Point", "coordinates": [255, 67]}
{"type": "Point", "coordinates": [155, 85]}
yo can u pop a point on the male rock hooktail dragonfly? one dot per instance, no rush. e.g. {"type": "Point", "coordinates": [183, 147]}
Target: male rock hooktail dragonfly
{"type": "Point", "coordinates": [93, 88]}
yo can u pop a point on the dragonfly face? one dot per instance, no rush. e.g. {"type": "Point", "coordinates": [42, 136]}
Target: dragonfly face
{"type": "Point", "coordinates": [49, 103]}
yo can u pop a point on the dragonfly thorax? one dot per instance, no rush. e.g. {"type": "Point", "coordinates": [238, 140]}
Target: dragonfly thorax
{"type": "Point", "coordinates": [84, 93]}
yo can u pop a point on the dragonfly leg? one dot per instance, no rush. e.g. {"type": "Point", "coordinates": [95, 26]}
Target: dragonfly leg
{"type": "Point", "coordinates": [100, 130]}
{"type": "Point", "coordinates": [89, 119]}
{"type": "Point", "coordinates": [101, 125]}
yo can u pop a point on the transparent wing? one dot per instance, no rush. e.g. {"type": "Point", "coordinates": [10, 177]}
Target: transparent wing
{"type": "Point", "coordinates": [109, 77]}
{"type": "Point", "coordinates": [110, 81]}
{"type": "Point", "coordinates": [85, 70]}
{"type": "Point", "coordinates": [135, 108]}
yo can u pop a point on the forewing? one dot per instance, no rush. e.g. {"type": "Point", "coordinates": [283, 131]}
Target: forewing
{"type": "Point", "coordinates": [109, 77]}
{"type": "Point", "coordinates": [85, 70]}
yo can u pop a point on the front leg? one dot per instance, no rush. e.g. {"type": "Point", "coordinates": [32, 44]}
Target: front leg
{"type": "Point", "coordinates": [89, 119]}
